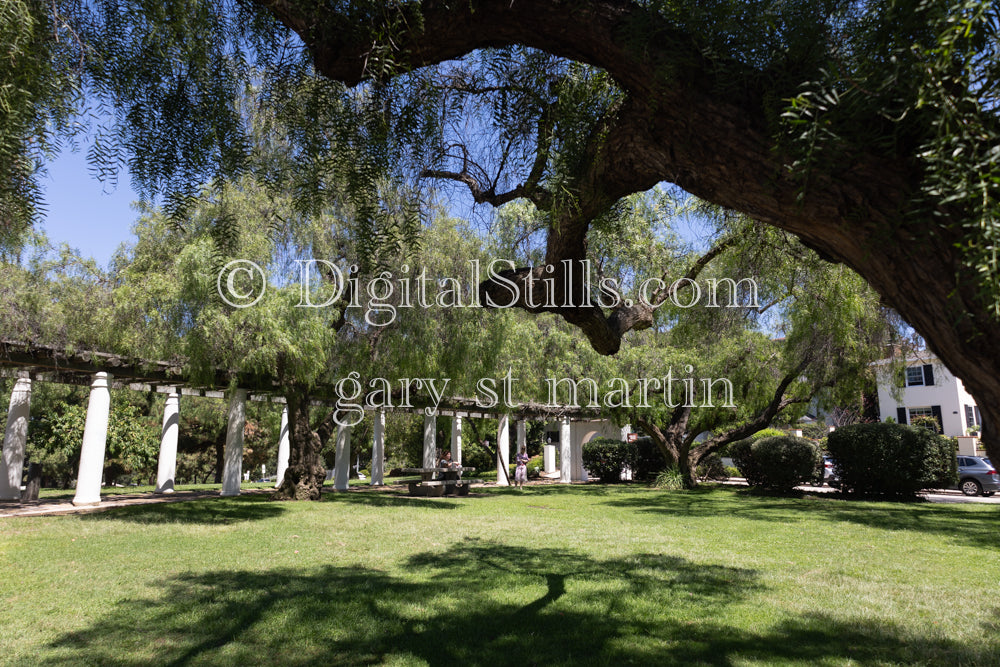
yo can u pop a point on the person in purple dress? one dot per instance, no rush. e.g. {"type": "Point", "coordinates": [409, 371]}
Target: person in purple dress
{"type": "Point", "coordinates": [521, 471]}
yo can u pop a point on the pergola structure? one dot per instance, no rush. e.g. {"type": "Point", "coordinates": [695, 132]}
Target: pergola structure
{"type": "Point", "coordinates": [102, 372]}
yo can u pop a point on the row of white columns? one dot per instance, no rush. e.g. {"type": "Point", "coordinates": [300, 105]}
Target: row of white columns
{"type": "Point", "coordinates": [95, 433]}
{"type": "Point", "coordinates": [88, 488]}
{"type": "Point", "coordinates": [570, 455]}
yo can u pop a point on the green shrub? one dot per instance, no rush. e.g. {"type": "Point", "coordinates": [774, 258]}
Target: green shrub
{"type": "Point", "coordinates": [477, 456]}
{"type": "Point", "coordinates": [776, 462]}
{"type": "Point", "coordinates": [819, 472]}
{"type": "Point", "coordinates": [606, 458]}
{"type": "Point", "coordinates": [885, 459]}
{"type": "Point", "coordinates": [669, 479]}
{"type": "Point", "coordinates": [711, 468]}
{"type": "Point", "coordinates": [731, 471]}
{"type": "Point", "coordinates": [536, 465]}
{"type": "Point", "coordinates": [815, 430]}
{"type": "Point", "coordinates": [927, 422]}
{"type": "Point", "coordinates": [649, 460]}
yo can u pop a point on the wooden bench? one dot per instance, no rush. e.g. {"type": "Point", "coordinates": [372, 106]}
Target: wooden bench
{"type": "Point", "coordinates": [450, 484]}
{"type": "Point", "coordinates": [442, 487]}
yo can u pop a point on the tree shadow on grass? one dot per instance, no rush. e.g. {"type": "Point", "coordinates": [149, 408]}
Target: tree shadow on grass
{"type": "Point", "coordinates": [479, 603]}
{"type": "Point", "coordinates": [570, 489]}
{"type": "Point", "coordinates": [390, 499]}
{"type": "Point", "coordinates": [973, 525]}
{"type": "Point", "coordinates": [209, 511]}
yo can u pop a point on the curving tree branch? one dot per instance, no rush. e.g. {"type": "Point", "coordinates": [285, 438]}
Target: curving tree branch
{"type": "Point", "coordinates": [710, 124]}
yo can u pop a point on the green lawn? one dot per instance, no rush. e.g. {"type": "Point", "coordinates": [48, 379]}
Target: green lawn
{"type": "Point", "coordinates": [553, 575]}
{"type": "Point", "coordinates": [67, 494]}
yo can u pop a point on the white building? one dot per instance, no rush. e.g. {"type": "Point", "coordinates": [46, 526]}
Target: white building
{"type": "Point", "coordinates": [927, 388]}
{"type": "Point", "coordinates": [583, 431]}
{"type": "Point", "coordinates": [564, 441]}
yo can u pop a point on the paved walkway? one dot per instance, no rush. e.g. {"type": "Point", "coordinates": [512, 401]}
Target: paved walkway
{"type": "Point", "coordinates": [57, 506]}
{"type": "Point", "coordinates": [935, 496]}
{"type": "Point", "coordinates": [54, 506]}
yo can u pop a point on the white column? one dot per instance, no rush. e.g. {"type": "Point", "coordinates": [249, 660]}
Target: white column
{"type": "Point", "coordinates": [549, 457]}
{"type": "Point", "coordinates": [14, 440]}
{"type": "Point", "coordinates": [232, 468]}
{"type": "Point", "coordinates": [576, 453]}
{"type": "Point", "coordinates": [430, 444]}
{"type": "Point", "coordinates": [626, 431]}
{"type": "Point", "coordinates": [378, 450]}
{"type": "Point", "coordinates": [95, 435]}
{"type": "Point", "coordinates": [522, 435]}
{"type": "Point", "coordinates": [283, 447]}
{"type": "Point", "coordinates": [342, 459]}
{"type": "Point", "coordinates": [565, 463]}
{"type": "Point", "coordinates": [967, 445]}
{"type": "Point", "coordinates": [167, 469]}
{"type": "Point", "coordinates": [456, 439]}
{"type": "Point", "coordinates": [503, 450]}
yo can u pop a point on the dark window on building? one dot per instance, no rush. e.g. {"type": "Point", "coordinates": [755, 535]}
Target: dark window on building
{"type": "Point", "coordinates": [920, 375]}
{"type": "Point", "coordinates": [936, 411]}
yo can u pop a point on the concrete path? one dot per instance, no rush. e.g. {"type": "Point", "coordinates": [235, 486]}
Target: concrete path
{"type": "Point", "coordinates": [935, 496]}
{"type": "Point", "coordinates": [55, 506]}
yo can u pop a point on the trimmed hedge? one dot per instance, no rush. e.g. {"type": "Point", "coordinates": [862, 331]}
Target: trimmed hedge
{"type": "Point", "coordinates": [606, 458]}
{"type": "Point", "coordinates": [711, 468]}
{"type": "Point", "coordinates": [778, 462]}
{"type": "Point", "coordinates": [893, 460]}
{"type": "Point", "coordinates": [649, 460]}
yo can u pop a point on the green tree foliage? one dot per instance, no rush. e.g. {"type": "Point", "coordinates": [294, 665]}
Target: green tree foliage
{"type": "Point", "coordinates": [38, 100]}
{"type": "Point", "coordinates": [931, 95]}
{"type": "Point", "coordinates": [52, 296]}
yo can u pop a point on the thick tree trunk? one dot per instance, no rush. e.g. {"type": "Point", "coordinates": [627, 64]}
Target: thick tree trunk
{"type": "Point", "coordinates": [305, 474]}
{"type": "Point", "coordinates": [688, 466]}
{"type": "Point", "coordinates": [685, 120]}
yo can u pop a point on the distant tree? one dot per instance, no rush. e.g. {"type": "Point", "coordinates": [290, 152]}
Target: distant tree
{"type": "Point", "coordinates": [55, 436]}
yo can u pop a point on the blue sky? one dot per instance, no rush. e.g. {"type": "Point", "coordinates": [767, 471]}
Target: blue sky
{"type": "Point", "coordinates": [95, 218]}
{"type": "Point", "coordinates": [91, 216]}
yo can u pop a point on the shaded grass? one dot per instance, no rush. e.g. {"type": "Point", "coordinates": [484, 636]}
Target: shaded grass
{"type": "Point", "coordinates": [556, 575]}
{"type": "Point", "coordinates": [54, 494]}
